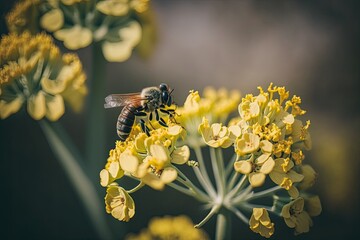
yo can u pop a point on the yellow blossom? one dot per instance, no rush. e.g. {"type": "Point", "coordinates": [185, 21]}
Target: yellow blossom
{"type": "Point", "coordinates": [296, 215]}
{"type": "Point", "coordinates": [256, 169]}
{"type": "Point", "coordinates": [248, 143]}
{"type": "Point", "coordinates": [260, 222]}
{"type": "Point", "coordinates": [214, 105]}
{"type": "Point", "coordinates": [217, 135]}
{"type": "Point", "coordinates": [119, 203]}
{"type": "Point", "coordinates": [25, 80]}
{"type": "Point", "coordinates": [116, 24]}
{"type": "Point", "coordinates": [284, 176]}
{"type": "Point", "coordinates": [164, 228]}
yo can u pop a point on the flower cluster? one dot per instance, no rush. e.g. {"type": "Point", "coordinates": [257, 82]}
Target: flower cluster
{"type": "Point", "coordinates": [179, 227]}
{"type": "Point", "coordinates": [150, 159]}
{"type": "Point", "coordinates": [118, 25]}
{"type": "Point", "coordinates": [267, 141]}
{"type": "Point", "coordinates": [215, 105]}
{"type": "Point", "coordinates": [34, 72]}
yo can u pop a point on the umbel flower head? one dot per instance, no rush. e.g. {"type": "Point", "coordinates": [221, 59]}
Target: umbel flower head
{"type": "Point", "coordinates": [119, 25]}
{"type": "Point", "coordinates": [34, 72]}
{"type": "Point", "coordinates": [272, 138]}
{"type": "Point", "coordinates": [268, 143]}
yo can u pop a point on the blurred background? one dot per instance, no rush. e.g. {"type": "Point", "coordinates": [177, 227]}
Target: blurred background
{"type": "Point", "coordinates": [311, 47]}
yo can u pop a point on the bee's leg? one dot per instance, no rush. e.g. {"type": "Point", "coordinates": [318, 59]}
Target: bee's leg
{"type": "Point", "coordinates": [140, 114]}
{"type": "Point", "coordinates": [144, 128]}
{"type": "Point", "coordinates": [151, 116]}
{"type": "Point", "coordinates": [157, 115]}
{"type": "Point", "coordinates": [162, 122]}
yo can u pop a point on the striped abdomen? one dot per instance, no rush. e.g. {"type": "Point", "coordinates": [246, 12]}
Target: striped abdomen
{"type": "Point", "coordinates": [125, 121]}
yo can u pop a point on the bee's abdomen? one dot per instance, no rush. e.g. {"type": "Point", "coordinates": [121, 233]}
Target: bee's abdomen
{"type": "Point", "coordinates": [125, 122]}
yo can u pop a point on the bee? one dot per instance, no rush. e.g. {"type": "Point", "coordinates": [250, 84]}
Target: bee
{"type": "Point", "coordinates": [150, 100]}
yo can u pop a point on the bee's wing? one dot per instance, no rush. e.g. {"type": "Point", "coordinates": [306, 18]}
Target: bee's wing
{"type": "Point", "coordinates": [120, 100]}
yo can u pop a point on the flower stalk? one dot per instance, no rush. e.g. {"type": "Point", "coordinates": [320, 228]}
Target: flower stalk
{"type": "Point", "coordinates": [76, 171]}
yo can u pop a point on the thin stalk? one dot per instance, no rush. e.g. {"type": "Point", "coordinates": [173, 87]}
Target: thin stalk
{"type": "Point", "coordinates": [233, 179]}
{"type": "Point", "coordinates": [239, 214]}
{"type": "Point", "coordinates": [186, 191]}
{"type": "Point", "coordinates": [223, 225]}
{"type": "Point", "coordinates": [264, 193]}
{"type": "Point", "coordinates": [137, 187]}
{"type": "Point", "coordinates": [72, 165]}
{"type": "Point", "coordinates": [237, 188]}
{"type": "Point", "coordinates": [207, 186]}
{"type": "Point", "coordinates": [230, 165]}
{"type": "Point", "coordinates": [202, 165]}
{"type": "Point", "coordinates": [215, 209]}
{"type": "Point", "coordinates": [195, 189]}
{"type": "Point", "coordinates": [217, 173]}
{"type": "Point", "coordinates": [252, 206]}
{"type": "Point", "coordinates": [95, 129]}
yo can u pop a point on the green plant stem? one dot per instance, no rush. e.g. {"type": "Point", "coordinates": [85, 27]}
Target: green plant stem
{"type": "Point", "coordinates": [207, 186]}
{"type": "Point", "coordinates": [95, 129]}
{"type": "Point", "coordinates": [217, 173]}
{"type": "Point", "coordinates": [137, 187]}
{"type": "Point", "coordinates": [223, 225]}
{"type": "Point", "coordinates": [264, 193]}
{"type": "Point", "coordinates": [202, 166]}
{"type": "Point", "coordinates": [215, 209]}
{"type": "Point", "coordinates": [71, 162]}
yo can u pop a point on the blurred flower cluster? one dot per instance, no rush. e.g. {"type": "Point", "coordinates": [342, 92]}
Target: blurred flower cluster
{"type": "Point", "coordinates": [256, 159]}
{"type": "Point", "coordinates": [164, 228]}
{"type": "Point", "coordinates": [34, 72]}
{"type": "Point", "coordinates": [118, 25]}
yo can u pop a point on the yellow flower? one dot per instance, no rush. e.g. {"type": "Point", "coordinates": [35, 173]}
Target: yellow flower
{"type": "Point", "coordinates": [34, 72]}
{"type": "Point", "coordinates": [217, 135]}
{"type": "Point", "coordinates": [260, 222]}
{"type": "Point", "coordinates": [215, 105]}
{"type": "Point", "coordinates": [284, 176]}
{"type": "Point", "coordinates": [248, 143]}
{"type": "Point", "coordinates": [309, 177]}
{"type": "Point", "coordinates": [119, 203]}
{"type": "Point", "coordinates": [297, 214]}
{"type": "Point", "coordinates": [256, 169]}
{"type": "Point", "coordinates": [179, 227]}
{"type": "Point", "coordinates": [23, 17]}
{"type": "Point", "coordinates": [116, 24]}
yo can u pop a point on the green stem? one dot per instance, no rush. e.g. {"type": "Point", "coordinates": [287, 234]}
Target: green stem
{"type": "Point", "coordinates": [95, 139]}
{"type": "Point", "coordinates": [207, 186]}
{"type": "Point", "coordinates": [139, 186]}
{"type": "Point", "coordinates": [237, 188]}
{"type": "Point", "coordinates": [264, 193]}
{"type": "Point", "coordinates": [186, 191]}
{"type": "Point", "coordinates": [215, 209]}
{"type": "Point", "coordinates": [239, 214]}
{"type": "Point", "coordinates": [71, 162]}
{"type": "Point", "coordinates": [223, 225]}
{"type": "Point", "coordinates": [196, 190]}
{"type": "Point", "coordinates": [217, 173]}
{"type": "Point", "coordinates": [230, 165]}
{"type": "Point", "coordinates": [202, 165]}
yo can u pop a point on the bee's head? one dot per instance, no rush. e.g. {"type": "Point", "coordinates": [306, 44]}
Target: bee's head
{"type": "Point", "coordinates": [165, 94]}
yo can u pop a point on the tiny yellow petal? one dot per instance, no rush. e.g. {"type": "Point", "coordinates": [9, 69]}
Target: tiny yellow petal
{"type": "Point", "coordinates": [55, 107]}
{"type": "Point", "coordinates": [257, 179]}
{"type": "Point", "coordinates": [168, 175]}
{"type": "Point", "coordinates": [8, 108]}
{"type": "Point", "coordinates": [36, 106]}
{"type": "Point", "coordinates": [52, 20]}
{"type": "Point", "coordinates": [128, 162]}
{"type": "Point", "coordinates": [180, 155]}
{"type": "Point", "coordinates": [243, 167]}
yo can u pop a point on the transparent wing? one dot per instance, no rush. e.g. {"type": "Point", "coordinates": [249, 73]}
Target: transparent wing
{"type": "Point", "coordinates": [120, 100]}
